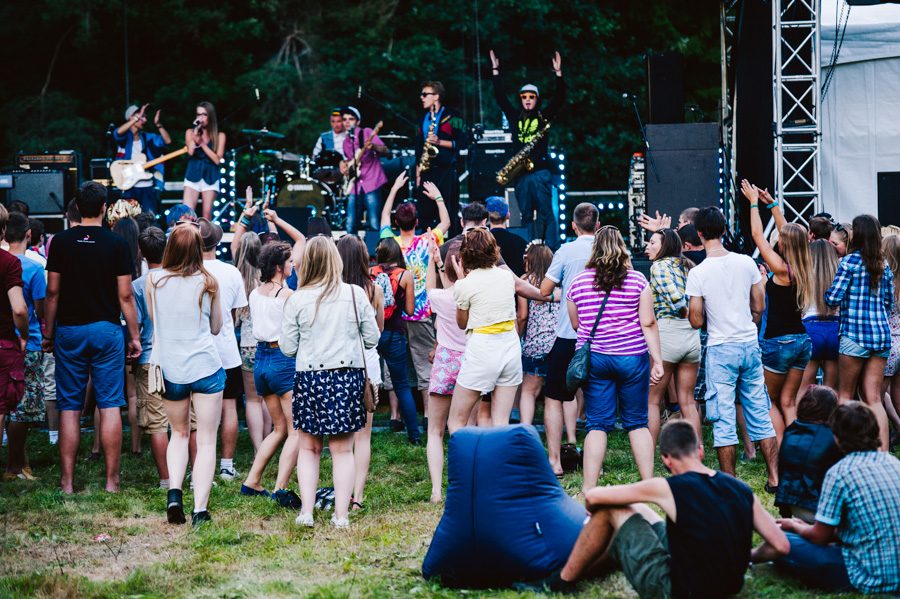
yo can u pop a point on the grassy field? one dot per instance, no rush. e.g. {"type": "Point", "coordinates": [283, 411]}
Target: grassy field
{"type": "Point", "coordinates": [48, 545]}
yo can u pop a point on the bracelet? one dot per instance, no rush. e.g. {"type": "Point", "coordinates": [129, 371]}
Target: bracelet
{"type": "Point", "coordinates": [245, 221]}
{"type": "Point", "coordinates": [439, 199]}
{"type": "Point", "coordinates": [772, 205]}
{"type": "Point", "coordinates": [754, 206]}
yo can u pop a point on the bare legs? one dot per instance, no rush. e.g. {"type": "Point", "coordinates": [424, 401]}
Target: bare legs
{"type": "Point", "coordinates": [531, 388]}
{"type": "Point", "coordinates": [282, 422]}
{"type": "Point", "coordinates": [341, 449]}
{"type": "Point", "coordinates": [131, 394]}
{"type": "Point", "coordinates": [362, 455]}
{"type": "Point", "coordinates": [208, 411]}
{"type": "Point", "coordinates": [461, 406]}
{"type": "Point", "coordinates": [229, 428]}
{"type": "Point", "coordinates": [191, 196]}
{"type": "Point", "coordinates": [869, 373]}
{"type": "Point", "coordinates": [439, 410]}
{"type": "Point", "coordinates": [109, 430]}
{"type": "Point", "coordinates": [259, 423]}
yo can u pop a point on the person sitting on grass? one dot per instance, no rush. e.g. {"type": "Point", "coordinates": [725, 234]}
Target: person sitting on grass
{"type": "Point", "coordinates": [855, 541]}
{"type": "Point", "coordinates": [702, 549]}
{"type": "Point", "coordinates": [807, 452]}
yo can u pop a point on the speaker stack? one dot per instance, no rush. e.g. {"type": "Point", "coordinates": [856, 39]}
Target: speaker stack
{"type": "Point", "coordinates": [45, 182]}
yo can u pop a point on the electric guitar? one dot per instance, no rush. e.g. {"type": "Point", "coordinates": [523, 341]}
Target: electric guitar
{"type": "Point", "coordinates": [126, 173]}
{"type": "Point", "coordinates": [350, 168]}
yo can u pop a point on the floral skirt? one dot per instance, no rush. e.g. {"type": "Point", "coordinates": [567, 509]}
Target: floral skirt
{"type": "Point", "coordinates": [329, 402]}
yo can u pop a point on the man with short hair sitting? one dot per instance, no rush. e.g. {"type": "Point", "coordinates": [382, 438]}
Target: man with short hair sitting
{"type": "Point", "coordinates": [855, 541]}
{"type": "Point", "coordinates": [702, 549]}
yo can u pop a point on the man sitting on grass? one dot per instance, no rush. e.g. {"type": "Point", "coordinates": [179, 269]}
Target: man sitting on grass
{"type": "Point", "coordinates": [855, 540]}
{"type": "Point", "coordinates": [702, 549]}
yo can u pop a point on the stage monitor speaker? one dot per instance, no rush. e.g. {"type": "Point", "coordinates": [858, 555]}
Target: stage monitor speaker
{"type": "Point", "coordinates": [485, 159]}
{"type": "Point", "coordinates": [296, 216]}
{"type": "Point", "coordinates": [45, 191]}
{"type": "Point", "coordinates": [889, 198]}
{"type": "Point", "coordinates": [683, 168]}
{"type": "Point", "coordinates": [665, 88]}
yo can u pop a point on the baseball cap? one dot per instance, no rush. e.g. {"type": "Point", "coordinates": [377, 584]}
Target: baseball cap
{"type": "Point", "coordinates": [129, 112]}
{"type": "Point", "coordinates": [497, 207]}
{"type": "Point", "coordinates": [530, 87]}
{"type": "Point", "coordinates": [351, 110]}
{"type": "Point", "coordinates": [211, 233]}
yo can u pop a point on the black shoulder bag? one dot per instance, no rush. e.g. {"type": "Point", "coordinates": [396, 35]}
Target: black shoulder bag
{"type": "Point", "coordinates": [580, 367]}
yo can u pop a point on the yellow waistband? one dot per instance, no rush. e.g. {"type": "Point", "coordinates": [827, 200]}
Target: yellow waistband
{"type": "Point", "coordinates": [496, 328]}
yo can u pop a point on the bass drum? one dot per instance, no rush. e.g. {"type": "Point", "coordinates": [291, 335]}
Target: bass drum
{"type": "Point", "coordinates": [305, 192]}
{"type": "Point", "coordinates": [327, 167]}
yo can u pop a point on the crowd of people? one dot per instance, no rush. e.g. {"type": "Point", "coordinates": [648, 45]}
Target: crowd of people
{"type": "Point", "coordinates": [796, 354]}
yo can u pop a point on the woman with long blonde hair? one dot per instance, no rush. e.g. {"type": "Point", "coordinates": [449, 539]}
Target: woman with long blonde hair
{"type": "Point", "coordinates": [786, 347]}
{"type": "Point", "coordinates": [820, 320]}
{"type": "Point", "coordinates": [206, 148]}
{"type": "Point", "coordinates": [183, 301]}
{"type": "Point", "coordinates": [891, 247]}
{"type": "Point", "coordinates": [327, 325]}
{"type": "Point", "coordinates": [610, 305]}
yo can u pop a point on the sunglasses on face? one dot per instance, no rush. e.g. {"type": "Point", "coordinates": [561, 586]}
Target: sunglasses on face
{"type": "Point", "coordinates": [426, 94]}
{"type": "Point", "coordinates": [528, 96]}
{"type": "Point", "coordinates": [201, 114]}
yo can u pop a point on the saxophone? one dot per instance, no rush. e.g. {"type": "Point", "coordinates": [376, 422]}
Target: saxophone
{"type": "Point", "coordinates": [522, 160]}
{"type": "Point", "coordinates": [429, 151]}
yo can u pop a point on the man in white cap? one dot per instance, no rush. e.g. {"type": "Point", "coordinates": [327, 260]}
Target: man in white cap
{"type": "Point", "coordinates": [135, 144]}
{"type": "Point", "coordinates": [533, 189]}
{"type": "Point", "coordinates": [370, 177]}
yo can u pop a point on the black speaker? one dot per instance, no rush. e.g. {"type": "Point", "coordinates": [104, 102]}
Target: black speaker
{"type": "Point", "coordinates": [45, 191]}
{"type": "Point", "coordinates": [485, 159]}
{"type": "Point", "coordinates": [889, 198]}
{"type": "Point", "coordinates": [298, 217]}
{"type": "Point", "coordinates": [665, 88]}
{"type": "Point", "coordinates": [683, 169]}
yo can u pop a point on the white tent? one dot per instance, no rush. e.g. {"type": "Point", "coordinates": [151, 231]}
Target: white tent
{"type": "Point", "coordinates": [861, 112]}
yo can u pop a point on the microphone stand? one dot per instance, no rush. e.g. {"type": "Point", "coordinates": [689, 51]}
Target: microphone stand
{"type": "Point", "coordinates": [637, 114]}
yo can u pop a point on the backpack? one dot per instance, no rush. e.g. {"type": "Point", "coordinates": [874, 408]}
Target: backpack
{"type": "Point", "coordinates": [389, 283]}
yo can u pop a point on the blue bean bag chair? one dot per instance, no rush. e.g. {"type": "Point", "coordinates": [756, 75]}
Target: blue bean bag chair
{"type": "Point", "coordinates": [506, 517]}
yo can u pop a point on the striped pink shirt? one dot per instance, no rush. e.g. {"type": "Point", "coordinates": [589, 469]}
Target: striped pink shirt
{"type": "Point", "coordinates": [619, 332]}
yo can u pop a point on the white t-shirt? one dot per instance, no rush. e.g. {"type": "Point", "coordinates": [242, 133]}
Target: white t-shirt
{"type": "Point", "coordinates": [231, 297]}
{"type": "Point", "coordinates": [568, 262]}
{"type": "Point", "coordinates": [137, 151]}
{"type": "Point", "coordinates": [489, 294]}
{"type": "Point", "coordinates": [724, 283]}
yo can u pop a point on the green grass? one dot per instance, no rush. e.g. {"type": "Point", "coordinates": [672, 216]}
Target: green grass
{"type": "Point", "coordinates": [252, 548]}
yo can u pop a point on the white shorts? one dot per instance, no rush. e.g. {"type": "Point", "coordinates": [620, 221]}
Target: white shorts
{"type": "Point", "coordinates": [373, 366]}
{"type": "Point", "coordinates": [202, 185]}
{"type": "Point", "coordinates": [491, 361]}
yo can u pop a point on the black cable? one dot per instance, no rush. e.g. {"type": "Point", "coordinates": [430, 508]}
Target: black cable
{"type": "Point", "coordinates": [836, 49]}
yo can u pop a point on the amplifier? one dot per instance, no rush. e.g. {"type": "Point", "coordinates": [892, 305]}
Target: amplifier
{"type": "Point", "coordinates": [484, 160]}
{"type": "Point", "coordinates": [57, 160]}
{"type": "Point", "coordinates": [45, 191]}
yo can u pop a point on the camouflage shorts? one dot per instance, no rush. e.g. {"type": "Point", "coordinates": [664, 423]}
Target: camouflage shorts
{"type": "Point", "coordinates": [248, 358]}
{"type": "Point", "coordinates": [31, 407]}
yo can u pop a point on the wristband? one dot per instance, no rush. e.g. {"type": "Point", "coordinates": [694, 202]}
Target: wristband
{"type": "Point", "coordinates": [439, 199]}
{"type": "Point", "coordinates": [754, 206]}
{"type": "Point", "coordinates": [245, 221]}
{"type": "Point", "coordinates": [772, 205]}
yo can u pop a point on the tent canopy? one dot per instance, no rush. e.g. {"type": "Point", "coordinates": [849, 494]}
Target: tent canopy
{"type": "Point", "coordinates": [873, 32]}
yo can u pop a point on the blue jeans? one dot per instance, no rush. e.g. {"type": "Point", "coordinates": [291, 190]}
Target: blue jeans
{"type": "Point", "coordinates": [734, 370]}
{"type": "Point", "coordinates": [372, 199]}
{"type": "Point", "coordinates": [534, 193]}
{"type": "Point", "coordinates": [273, 372]}
{"type": "Point", "coordinates": [621, 382]}
{"type": "Point", "coordinates": [208, 385]}
{"type": "Point", "coordinates": [392, 347]}
{"type": "Point", "coordinates": [819, 566]}
{"type": "Point", "coordinates": [95, 350]}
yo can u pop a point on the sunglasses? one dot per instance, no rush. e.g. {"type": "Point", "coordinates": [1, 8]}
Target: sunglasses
{"type": "Point", "coordinates": [201, 114]}
{"type": "Point", "coordinates": [426, 94]}
{"type": "Point", "coordinates": [528, 96]}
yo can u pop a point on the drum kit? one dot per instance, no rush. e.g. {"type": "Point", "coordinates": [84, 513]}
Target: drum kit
{"type": "Point", "coordinates": [314, 183]}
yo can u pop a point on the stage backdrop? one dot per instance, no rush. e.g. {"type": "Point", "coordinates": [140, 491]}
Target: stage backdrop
{"type": "Point", "coordinates": [861, 112]}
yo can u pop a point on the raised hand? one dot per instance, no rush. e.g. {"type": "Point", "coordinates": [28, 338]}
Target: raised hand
{"type": "Point", "coordinates": [457, 266]}
{"type": "Point", "coordinates": [400, 181]}
{"type": "Point", "coordinates": [750, 191]}
{"type": "Point", "coordinates": [662, 221]}
{"type": "Point", "coordinates": [432, 244]}
{"type": "Point", "coordinates": [156, 118]}
{"type": "Point", "coordinates": [765, 197]}
{"type": "Point", "coordinates": [140, 113]}
{"type": "Point", "coordinates": [270, 214]}
{"type": "Point", "coordinates": [495, 62]}
{"type": "Point", "coordinates": [431, 190]}
{"type": "Point", "coordinates": [557, 63]}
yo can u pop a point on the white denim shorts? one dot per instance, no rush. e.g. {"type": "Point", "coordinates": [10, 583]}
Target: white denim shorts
{"type": "Point", "coordinates": [491, 361]}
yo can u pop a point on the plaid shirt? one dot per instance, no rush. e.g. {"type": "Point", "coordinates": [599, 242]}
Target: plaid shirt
{"type": "Point", "coordinates": [864, 314]}
{"type": "Point", "coordinates": [667, 282]}
{"type": "Point", "coordinates": [861, 497]}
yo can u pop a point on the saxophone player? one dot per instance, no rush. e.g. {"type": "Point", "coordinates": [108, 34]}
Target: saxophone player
{"type": "Point", "coordinates": [533, 188]}
{"type": "Point", "coordinates": [441, 128]}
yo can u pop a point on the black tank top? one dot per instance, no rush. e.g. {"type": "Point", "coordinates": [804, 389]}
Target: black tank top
{"type": "Point", "coordinates": [783, 316]}
{"type": "Point", "coordinates": [396, 322]}
{"type": "Point", "coordinates": [711, 541]}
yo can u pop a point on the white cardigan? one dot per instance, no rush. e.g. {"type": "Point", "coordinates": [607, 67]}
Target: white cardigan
{"type": "Point", "coordinates": [332, 340]}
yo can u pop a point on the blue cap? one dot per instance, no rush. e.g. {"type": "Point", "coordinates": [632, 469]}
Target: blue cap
{"type": "Point", "coordinates": [496, 204]}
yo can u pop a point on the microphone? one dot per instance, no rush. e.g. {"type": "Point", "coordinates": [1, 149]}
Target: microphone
{"type": "Point", "coordinates": [196, 124]}
{"type": "Point", "coordinates": [359, 92]}
{"type": "Point", "coordinates": [256, 91]}
{"type": "Point", "coordinates": [628, 96]}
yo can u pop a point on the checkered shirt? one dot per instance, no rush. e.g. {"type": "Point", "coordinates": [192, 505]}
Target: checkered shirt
{"type": "Point", "coordinates": [861, 497]}
{"type": "Point", "coordinates": [667, 282]}
{"type": "Point", "coordinates": [864, 314]}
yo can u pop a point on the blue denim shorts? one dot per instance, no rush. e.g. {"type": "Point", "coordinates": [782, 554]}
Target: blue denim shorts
{"type": "Point", "coordinates": [208, 385]}
{"type": "Point", "coordinates": [617, 384]}
{"type": "Point", "coordinates": [273, 372]}
{"type": "Point", "coordinates": [780, 354]}
{"type": "Point", "coordinates": [535, 365]}
{"type": "Point", "coordinates": [823, 333]}
{"type": "Point", "coordinates": [854, 350]}
{"type": "Point", "coordinates": [96, 349]}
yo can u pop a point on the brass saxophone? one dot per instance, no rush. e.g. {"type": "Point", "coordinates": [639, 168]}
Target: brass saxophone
{"type": "Point", "coordinates": [522, 160]}
{"type": "Point", "coordinates": [429, 151]}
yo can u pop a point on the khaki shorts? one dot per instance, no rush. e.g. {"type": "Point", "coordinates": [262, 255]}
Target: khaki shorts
{"type": "Point", "coordinates": [679, 341]}
{"type": "Point", "coordinates": [421, 341]}
{"type": "Point", "coordinates": [151, 411]}
{"type": "Point", "coordinates": [49, 377]}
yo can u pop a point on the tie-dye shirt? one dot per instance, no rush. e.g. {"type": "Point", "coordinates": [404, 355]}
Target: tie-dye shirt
{"type": "Point", "coordinates": [416, 256]}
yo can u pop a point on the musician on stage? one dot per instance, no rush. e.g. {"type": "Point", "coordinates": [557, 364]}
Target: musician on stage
{"type": "Point", "coordinates": [444, 129]}
{"type": "Point", "coordinates": [370, 179]}
{"type": "Point", "coordinates": [133, 142]}
{"type": "Point", "coordinates": [206, 147]}
{"type": "Point", "coordinates": [533, 189]}
{"type": "Point", "coordinates": [333, 139]}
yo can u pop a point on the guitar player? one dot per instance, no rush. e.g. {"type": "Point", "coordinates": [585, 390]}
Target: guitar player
{"type": "Point", "coordinates": [136, 144]}
{"type": "Point", "coordinates": [371, 176]}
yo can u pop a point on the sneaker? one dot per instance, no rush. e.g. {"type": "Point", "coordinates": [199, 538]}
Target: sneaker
{"type": "Point", "coordinates": [287, 498]}
{"type": "Point", "coordinates": [340, 522]}
{"type": "Point", "coordinates": [27, 474]}
{"type": "Point", "coordinates": [200, 518]}
{"type": "Point", "coordinates": [417, 442]}
{"type": "Point", "coordinates": [396, 426]}
{"type": "Point", "coordinates": [228, 475]}
{"type": "Point", "coordinates": [304, 520]}
{"type": "Point", "coordinates": [251, 492]}
{"type": "Point", "coordinates": [175, 507]}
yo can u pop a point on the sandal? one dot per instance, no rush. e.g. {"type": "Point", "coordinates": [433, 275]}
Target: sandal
{"type": "Point", "coordinates": [356, 505]}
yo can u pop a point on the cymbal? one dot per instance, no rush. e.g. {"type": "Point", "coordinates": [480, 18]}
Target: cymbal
{"type": "Point", "coordinates": [263, 133]}
{"type": "Point", "coordinates": [282, 155]}
{"type": "Point", "coordinates": [394, 136]}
